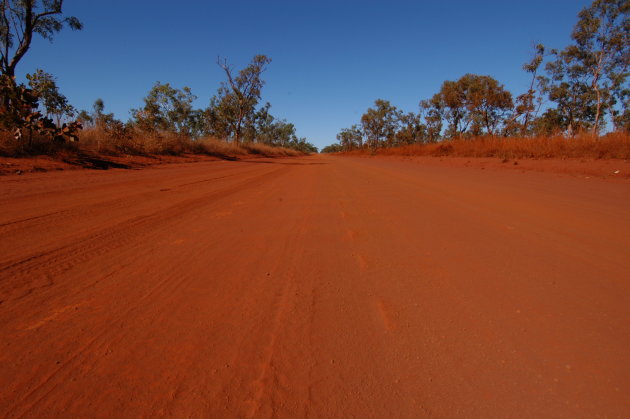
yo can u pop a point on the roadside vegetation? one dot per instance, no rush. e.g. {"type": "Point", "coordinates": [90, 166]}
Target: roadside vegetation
{"type": "Point", "coordinates": [36, 118]}
{"type": "Point", "coordinates": [575, 95]}
{"type": "Point", "coordinates": [610, 146]}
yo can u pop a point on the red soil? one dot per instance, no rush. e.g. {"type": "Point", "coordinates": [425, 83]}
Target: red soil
{"type": "Point", "coordinates": [316, 286]}
{"type": "Point", "coordinates": [610, 169]}
{"type": "Point", "coordinates": [38, 164]}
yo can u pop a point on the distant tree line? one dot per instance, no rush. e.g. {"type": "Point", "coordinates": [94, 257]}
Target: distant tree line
{"type": "Point", "coordinates": [234, 112]}
{"type": "Point", "coordinates": [584, 88]}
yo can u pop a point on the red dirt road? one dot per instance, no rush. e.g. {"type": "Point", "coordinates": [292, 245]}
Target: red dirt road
{"type": "Point", "coordinates": [318, 286]}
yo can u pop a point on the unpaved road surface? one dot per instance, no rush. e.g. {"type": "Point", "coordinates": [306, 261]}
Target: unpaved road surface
{"type": "Point", "coordinates": [314, 287]}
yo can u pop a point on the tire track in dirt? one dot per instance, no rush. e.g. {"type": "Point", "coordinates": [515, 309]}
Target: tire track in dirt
{"type": "Point", "coordinates": [38, 270]}
{"type": "Point", "coordinates": [100, 207]}
{"type": "Point", "coordinates": [353, 288]}
{"type": "Point", "coordinates": [111, 333]}
{"type": "Point", "coordinates": [266, 383]}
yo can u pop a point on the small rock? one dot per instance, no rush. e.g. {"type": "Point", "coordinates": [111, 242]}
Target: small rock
{"type": "Point", "coordinates": [616, 172]}
{"type": "Point", "coordinates": [18, 172]}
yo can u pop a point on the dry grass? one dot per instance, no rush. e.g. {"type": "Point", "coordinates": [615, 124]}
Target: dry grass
{"type": "Point", "coordinates": [269, 151]}
{"type": "Point", "coordinates": [611, 146]}
{"type": "Point", "coordinates": [95, 141]}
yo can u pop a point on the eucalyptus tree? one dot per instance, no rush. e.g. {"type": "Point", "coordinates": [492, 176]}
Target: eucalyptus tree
{"type": "Point", "coordinates": [569, 87]}
{"type": "Point", "coordinates": [350, 138]}
{"type": "Point", "coordinates": [469, 105]}
{"type": "Point", "coordinates": [432, 111]}
{"type": "Point", "coordinates": [528, 104]}
{"type": "Point", "coordinates": [166, 109]}
{"type": "Point", "coordinates": [589, 76]}
{"type": "Point", "coordinates": [602, 46]}
{"type": "Point", "coordinates": [452, 103]}
{"type": "Point", "coordinates": [20, 20]}
{"type": "Point", "coordinates": [238, 97]}
{"type": "Point", "coordinates": [619, 102]}
{"type": "Point", "coordinates": [411, 130]}
{"type": "Point", "coordinates": [333, 148]}
{"type": "Point", "coordinates": [380, 123]}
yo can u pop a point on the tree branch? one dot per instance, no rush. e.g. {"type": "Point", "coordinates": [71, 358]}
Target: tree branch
{"type": "Point", "coordinates": [7, 40]}
{"type": "Point", "coordinates": [55, 11]}
{"type": "Point", "coordinates": [228, 72]}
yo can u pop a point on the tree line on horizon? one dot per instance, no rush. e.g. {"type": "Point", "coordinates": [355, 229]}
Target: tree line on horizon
{"type": "Point", "coordinates": [585, 85]}
{"type": "Point", "coordinates": [234, 114]}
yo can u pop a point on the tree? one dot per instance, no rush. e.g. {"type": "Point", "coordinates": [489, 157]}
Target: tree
{"type": "Point", "coordinates": [216, 124]}
{"type": "Point", "coordinates": [333, 148]}
{"type": "Point", "coordinates": [450, 101]}
{"type": "Point", "coordinates": [106, 122]}
{"type": "Point", "coordinates": [602, 47]}
{"type": "Point", "coordinates": [350, 138]}
{"type": "Point", "coordinates": [411, 129]}
{"type": "Point", "coordinates": [433, 115]}
{"type": "Point", "coordinates": [166, 109]}
{"type": "Point", "coordinates": [20, 19]}
{"type": "Point", "coordinates": [619, 102]}
{"type": "Point", "coordinates": [380, 123]}
{"type": "Point", "coordinates": [568, 86]}
{"type": "Point", "coordinates": [263, 128]}
{"type": "Point", "coordinates": [18, 113]}
{"type": "Point", "coordinates": [551, 122]}
{"type": "Point", "coordinates": [44, 85]}
{"type": "Point", "coordinates": [528, 104]}
{"type": "Point", "coordinates": [300, 144]}
{"type": "Point", "coordinates": [472, 103]}
{"type": "Point", "coordinates": [588, 77]}
{"type": "Point", "coordinates": [486, 100]}
{"type": "Point", "coordinates": [237, 98]}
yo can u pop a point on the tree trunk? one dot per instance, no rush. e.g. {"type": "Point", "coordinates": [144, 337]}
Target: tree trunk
{"type": "Point", "coordinates": [597, 74]}
{"type": "Point", "coordinates": [237, 136]}
{"type": "Point", "coordinates": [598, 112]}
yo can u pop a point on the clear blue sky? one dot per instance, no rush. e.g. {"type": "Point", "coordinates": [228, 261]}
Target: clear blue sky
{"type": "Point", "coordinates": [331, 59]}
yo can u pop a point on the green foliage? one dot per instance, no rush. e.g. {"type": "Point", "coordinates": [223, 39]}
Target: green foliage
{"type": "Point", "coordinates": [551, 122]}
{"type": "Point", "coordinates": [473, 105]}
{"type": "Point", "coordinates": [233, 113]}
{"type": "Point", "coordinates": [45, 87]}
{"type": "Point", "coordinates": [585, 81]}
{"type": "Point", "coordinates": [528, 104]}
{"type": "Point", "coordinates": [106, 122]}
{"type": "Point", "coordinates": [237, 98]}
{"type": "Point", "coordinates": [587, 78]}
{"type": "Point", "coordinates": [433, 113]}
{"type": "Point", "coordinates": [20, 20]}
{"type": "Point", "coordinates": [167, 109]}
{"type": "Point", "coordinates": [333, 148]}
{"type": "Point", "coordinates": [350, 138]}
{"type": "Point", "coordinates": [380, 123]}
{"type": "Point", "coordinates": [411, 130]}
{"type": "Point", "coordinates": [383, 126]}
{"type": "Point", "coordinates": [18, 113]}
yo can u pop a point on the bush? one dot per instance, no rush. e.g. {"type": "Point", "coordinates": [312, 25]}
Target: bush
{"type": "Point", "coordinates": [611, 146]}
